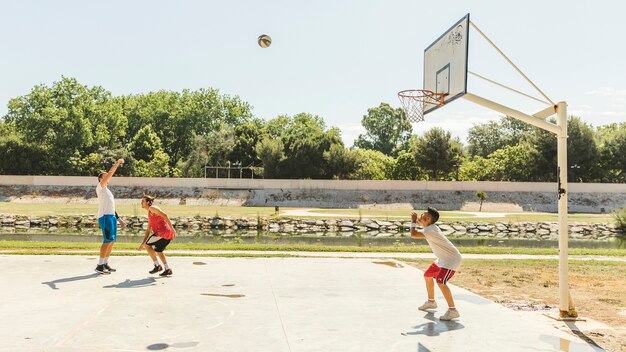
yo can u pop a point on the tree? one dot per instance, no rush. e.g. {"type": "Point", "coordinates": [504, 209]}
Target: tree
{"type": "Point", "coordinates": [437, 154]}
{"type": "Point", "coordinates": [373, 165]}
{"type": "Point", "coordinates": [271, 152]}
{"type": "Point", "coordinates": [482, 196]}
{"type": "Point", "coordinates": [305, 139]}
{"type": "Point", "coordinates": [405, 167]}
{"type": "Point", "coordinates": [212, 150]}
{"type": "Point", "coordinates": [582, 153]}
{"type": "Point", "coordinates": [487, 138]}
{"type": "Point", "coordinates": [611, 141]}
{"type": "Point", "coordinates": [67, 121]}
{"type": "Point", "coordinates": [342, 163]}
{"type": "Point", "coordinates": [246, 137]}
{"type": "Point", "coordinates": [387, 129]}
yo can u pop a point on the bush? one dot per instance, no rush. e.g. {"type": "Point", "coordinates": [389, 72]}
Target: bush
{"type": "Point", "coordinates": [620, 218]}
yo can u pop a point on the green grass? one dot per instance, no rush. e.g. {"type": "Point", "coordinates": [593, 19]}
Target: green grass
{"type": "Point", "coordinates": [50, 247]}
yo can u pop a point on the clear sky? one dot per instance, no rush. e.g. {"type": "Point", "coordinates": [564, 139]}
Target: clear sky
{"type": "Point", "coordinates": [331, 58]}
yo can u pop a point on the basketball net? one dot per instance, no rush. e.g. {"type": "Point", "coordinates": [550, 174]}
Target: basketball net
{"type": "Point", "coordinates": [414, 100]}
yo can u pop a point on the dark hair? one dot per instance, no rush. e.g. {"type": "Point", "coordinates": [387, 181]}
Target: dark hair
{"type": "Point", "coordinates": [434, 214]}
{"type": "Point", "coordinates": [149, 199]}
{"type": "Point", "coordinates": [101, 175]}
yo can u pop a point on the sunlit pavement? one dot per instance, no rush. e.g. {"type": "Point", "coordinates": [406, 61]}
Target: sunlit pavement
{"type": "Point", "coordinates": [58, 303]}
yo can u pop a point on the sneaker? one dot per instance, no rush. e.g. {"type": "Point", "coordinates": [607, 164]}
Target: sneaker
{"type": "Point", "coordinates": [156, 269]}
{"type": "Point", "coordinates": [100, 269]}
{"type": "Point", "coordinates": [167, 272]}
{"type": "Point", "coordinates": [428, 305]}
{"type": "Point", "coordinates": [450, 314]}
{"type": "Point", "coordinates": [106, 266]}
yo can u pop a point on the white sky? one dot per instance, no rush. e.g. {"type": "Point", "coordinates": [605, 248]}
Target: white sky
{"type": "Point", "coordinates": [332, 58]}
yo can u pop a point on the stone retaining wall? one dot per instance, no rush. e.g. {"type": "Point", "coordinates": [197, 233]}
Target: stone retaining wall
{"type": "Point", "coordinates": [319, 227]}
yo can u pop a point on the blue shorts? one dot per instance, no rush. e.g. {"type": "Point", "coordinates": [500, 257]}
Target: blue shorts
{"type": "Point", "coordinates": [108, 224]}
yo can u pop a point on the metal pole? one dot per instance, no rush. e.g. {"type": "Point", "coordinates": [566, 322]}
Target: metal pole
{"type": "Point", "coordinates": [566, 308]}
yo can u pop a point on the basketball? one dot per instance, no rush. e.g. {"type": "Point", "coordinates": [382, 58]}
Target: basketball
{"type": "Point", "coordinates": [264, 40]}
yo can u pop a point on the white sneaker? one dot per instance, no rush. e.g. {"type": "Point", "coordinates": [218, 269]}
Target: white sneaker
{"type": "Point", "coordinates": [450, 314]}
{"type": "Point", "coordinates": [428, 305]}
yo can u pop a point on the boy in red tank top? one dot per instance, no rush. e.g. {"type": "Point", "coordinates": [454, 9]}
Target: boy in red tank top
{"type": "Point", "coordinates": [163, 233]}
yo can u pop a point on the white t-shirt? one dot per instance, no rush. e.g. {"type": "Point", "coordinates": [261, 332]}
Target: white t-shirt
{"type": "Point", "coordinates": [448, 256]}
{"type": "Point", "coordinates": [106, 202]}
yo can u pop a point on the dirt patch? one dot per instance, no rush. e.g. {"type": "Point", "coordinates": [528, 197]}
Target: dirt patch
{"type": "Point", "coordinates": [390, 263]}
{"type": "Point", "coordinates": [597, 289]}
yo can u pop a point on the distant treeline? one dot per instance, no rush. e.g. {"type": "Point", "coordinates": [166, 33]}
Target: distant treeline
{"type": "Point", "coordinates": [72, 129]}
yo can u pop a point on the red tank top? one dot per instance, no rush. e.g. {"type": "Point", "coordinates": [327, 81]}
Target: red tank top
{"type": "Point", "coordinates": [160, 226]}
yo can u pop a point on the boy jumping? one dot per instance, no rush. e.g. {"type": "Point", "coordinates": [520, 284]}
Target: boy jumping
{"type": "Point", "coordinates": [448, 260]}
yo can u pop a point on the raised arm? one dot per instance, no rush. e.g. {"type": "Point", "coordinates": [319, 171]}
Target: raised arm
{"type": "Point", "coordinates": [413, 228]}
{"type": "Point", "coordinates": [107, 177]}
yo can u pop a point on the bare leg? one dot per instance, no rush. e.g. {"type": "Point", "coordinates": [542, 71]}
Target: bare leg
{"type": "Point", "coordinates": [162, 257]}
{"type": "Point", "coordinates": [151, 253]}
{"type": "Point", "coordinates": [109, 249]}
{"type": "Point", "coordinates": [447, 294]}
{"type": "Point", "coordinates": [430, 287]}
{"type": "Point", "coordinates": [103, 250]}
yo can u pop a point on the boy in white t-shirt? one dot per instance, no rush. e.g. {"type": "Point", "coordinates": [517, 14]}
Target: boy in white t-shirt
{"type": "Point", "coordinates": [447, 263]}
{"type": "Point", "coordinates": [107, 218]}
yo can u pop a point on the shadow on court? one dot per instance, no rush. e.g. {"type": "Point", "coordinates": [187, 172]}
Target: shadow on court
{"type": "Point", "coordinates": [53, 283]}
{"type": "Point", "coordinates": [434, 327]}
{"type": "Point", "coordinates": [128, 283]}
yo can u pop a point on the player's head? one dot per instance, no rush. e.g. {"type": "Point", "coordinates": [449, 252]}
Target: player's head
{"type": "Point", "coordinates": [430, 216]}
{"type": "Point", "coordinates": [101, 175]}
{"type": "Point", "coordinates": [146, 201]}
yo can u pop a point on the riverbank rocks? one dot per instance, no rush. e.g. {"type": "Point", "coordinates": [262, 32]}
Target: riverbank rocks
{"type": "Point", "coordinates": [320, 227]}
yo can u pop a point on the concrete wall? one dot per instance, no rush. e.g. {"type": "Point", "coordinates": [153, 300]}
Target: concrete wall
{"type": "Point", "coordinates": [501, 196]}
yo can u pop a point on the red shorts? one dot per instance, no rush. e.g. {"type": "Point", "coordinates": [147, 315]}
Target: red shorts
{"type": "Point", "coordinates": [441, 274]}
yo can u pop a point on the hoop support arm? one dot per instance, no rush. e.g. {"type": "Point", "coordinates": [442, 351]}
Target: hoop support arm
{"type": "Point", "coordinates": [537, 122]}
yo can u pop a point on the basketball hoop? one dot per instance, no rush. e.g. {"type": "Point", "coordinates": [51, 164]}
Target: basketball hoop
{"type": "Point", "coordinates": [414, 100]}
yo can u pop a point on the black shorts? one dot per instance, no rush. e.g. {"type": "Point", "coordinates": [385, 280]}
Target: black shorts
{"type": "Point", "coordinates": [158, 243]}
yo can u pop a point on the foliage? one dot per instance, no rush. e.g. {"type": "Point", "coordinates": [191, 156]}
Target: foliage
{"type": "Point", "coordinates": [387, 129]}
{"type": "Point", "coordinates": [373, 165]}
{"type": "Point", "coordinates": [611, 141]}
{"type": "Point", "coordinates": [405, 167]}
{"type": "Point", "coordinates": [342, 163]}
{"type": "Point", "coordinates": [271, 152]}
{"type": "Point", "coordinates": [438, 155]}
{"type": "Point", "coordinates": [487, 138]}
{"type": "Point", "coordinates": [67, 120]}
{"type": "Point", "coordinates": [620, 218]}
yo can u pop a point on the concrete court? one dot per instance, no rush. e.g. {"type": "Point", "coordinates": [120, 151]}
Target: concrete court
{"type": "Point", "coordinates": [58, 303]}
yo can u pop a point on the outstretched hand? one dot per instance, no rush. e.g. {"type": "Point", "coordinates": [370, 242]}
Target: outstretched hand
{"type": "Point", "coordinates": [413, 216]}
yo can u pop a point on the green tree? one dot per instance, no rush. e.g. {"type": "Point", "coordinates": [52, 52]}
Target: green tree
{"type": "Point", "coordinates": [582, 153]}
{"type": "Point", "coordinates": [438, 155]}
{"type": "Point", "coordinates": [405, 167]}
{"type": "Point", "coordinates": [482, 196]}
{"type": "Point", "coordinates": [611, 141]}
{"type": "Point", "coordinates": [271, 152]}
{"type": "Point", "coordinates": [373, 165]}
{"type": "Point", "coordinates": [486, 138]}
{"type": "Point", "coordinates": [305, 139]}
{"type": "Point", "coordinates": [145, 143]}
{"type": "Point", "coordinates": [67, 121]}
{"type": "Point", "coordinates": [246, 137]}
{"type": "Point", "coordinates": [341, 162]}
{"type": "Point", "coordinates": [212, 150]}
{"type": "Point", "coordinates": [386, 130]}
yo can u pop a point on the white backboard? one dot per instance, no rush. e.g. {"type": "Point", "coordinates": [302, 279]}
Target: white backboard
{"type": "Point", "coordinates": [445, 63]}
